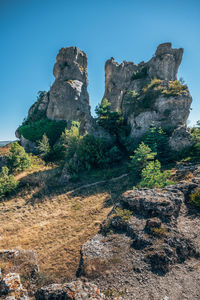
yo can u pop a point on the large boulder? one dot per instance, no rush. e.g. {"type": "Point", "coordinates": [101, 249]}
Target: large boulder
{"type": "Point", "coordinates": [76, 290]}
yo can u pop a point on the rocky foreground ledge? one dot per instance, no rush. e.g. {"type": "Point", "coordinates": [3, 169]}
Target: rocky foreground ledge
{"type": "Point", "coordinates": [147, 248]}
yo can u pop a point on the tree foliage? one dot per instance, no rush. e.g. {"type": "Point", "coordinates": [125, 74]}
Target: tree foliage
{"type": "Point", "coordinates": [44, 146]}
{"type": "Point", "coordinates": [112, 121]}
{"type": "Point", "coordinates": [87, 151]}
{"type": "Point", "coordinates": [18, 159]}
{"type": "Point", "coordinates": [142, 155]}
{"type": "Point", "coordinates": [8, 183]}
{"type": "Point", "coordinates": [158, 141]}
{"type": "Point", "coordinates": [153, 177]}
{"type": "Point", "coordinates": [35, 131]}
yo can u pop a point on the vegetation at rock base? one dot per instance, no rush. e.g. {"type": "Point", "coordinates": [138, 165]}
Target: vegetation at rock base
{"type": "Point", "coordinates": [87, 151]}
{"type": "Point", "coordinates": [8, 183]}
{"type": "Point", "coordinates": [195, 198]}
{"type": "Point", "coordinates": [158, 140]}
{"type": "Point", "coordinates": [142, 155]}
{"type": "Point", "coordinates": [18, 159]}
{"type": "Point", "coordinates": [153, 177]}
{"type": "Point", "coordinates": [113, 122]}
{"type": "Point", "coordinates": [43, 146]}
{"type": "Point", "coordinates": [35, 131]}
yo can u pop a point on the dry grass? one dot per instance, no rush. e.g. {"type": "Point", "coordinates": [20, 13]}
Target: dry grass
{"type": "Point", "coordinates": [4, 150]}
{"type": "Point", "coordinates": [55, 223]}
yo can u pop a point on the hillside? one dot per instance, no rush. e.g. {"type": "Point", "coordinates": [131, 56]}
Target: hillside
{"type": "Point", "coordinates": [105, 207]}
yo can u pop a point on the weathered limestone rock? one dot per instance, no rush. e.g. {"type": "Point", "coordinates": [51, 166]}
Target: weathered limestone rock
{"type": "Point", "coordinates": [11, 285]}
{"type": "Point", "coordinates": [180, 139]}
{"type": "Point", "coordinates": [162, 203]}
{"type": "Point", "coordinates": [165, 63]}
{"type": "Point", "coordinates": [76, 290]}
{"type": "Point", "coordinates": [139, 250]}
{"type": "Point", "coordinates": [40, 106]}
{"type": "Point", "coordinates": [68, 96]}
{"type": "Point", "coordinates": [142, 108]}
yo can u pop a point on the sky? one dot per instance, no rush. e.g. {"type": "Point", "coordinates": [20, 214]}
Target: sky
{"type": "Point", "coordinates": [33, 31]}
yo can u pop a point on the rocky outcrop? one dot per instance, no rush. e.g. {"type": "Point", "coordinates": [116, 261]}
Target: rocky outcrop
{"type": "Point", "coordinates": [164, 65]}
{"type": "Point", "coordinates": [142, 246]}
{"type": "Point", "coordinates": [11, 288]}
{"type": "Point", "coordinates": [180, 139]}
{"type": "Point", "coordinates": [68, 96]}
{"type": "Point", "coordinates": [145, 93]}
{"type": "Point", "coordinates": [76, 290]}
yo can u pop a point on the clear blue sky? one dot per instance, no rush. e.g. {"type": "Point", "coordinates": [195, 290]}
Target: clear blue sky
{"type": "Point", "coordinates": [32, 32]}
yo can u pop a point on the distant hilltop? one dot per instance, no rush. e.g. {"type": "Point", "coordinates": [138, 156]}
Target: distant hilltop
{"type": "Point", "coordinates": [3, 143]}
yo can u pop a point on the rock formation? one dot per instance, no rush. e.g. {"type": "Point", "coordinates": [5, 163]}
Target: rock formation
{"type": "Point", "coordinates": [76, 290]}
{"type": "Point", "coordinates": [68, 96]}
{"type": "Point", "coordinates": [148, 246]}
{"type": "Point", "coordinates": [145, 93]}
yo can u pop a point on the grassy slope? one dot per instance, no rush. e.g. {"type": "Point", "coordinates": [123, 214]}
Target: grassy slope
{"type": "Point", "coordinates": [54, 223]}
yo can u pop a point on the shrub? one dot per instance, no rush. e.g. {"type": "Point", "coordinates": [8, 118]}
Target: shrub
{"type": "Point", "coordinates": [142, 155]}
{"type": "Point", "coordinates": [87, 152]}
{"type": "Point", "coordinates": [124, 214]}
{"type": "Point", "coordinates": [175, 88]}
{"type": "Point", "coordinates": [18, 159]}
{"type": "Point", "coordinates": [152, 177]}
{"type": "Point", "coordinates": [158, 141]}
{"type": "Point", "coordinates": [111, 121]}
{"type": "Point", "coordinates": [195, 198]}
{"type": "Point", "coordinates": [43, 146]}
{"type": "Point", "coordinates": [35, 131]}
{"type": "Point", "coordinates": [8, 183]}
{"type": "Point", "coordinates": [70, 139]}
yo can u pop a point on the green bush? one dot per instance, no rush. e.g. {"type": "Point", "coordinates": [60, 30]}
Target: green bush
{"type": "Point", "coordinates": [35, 131]}
{"type": "Point", "coordinates": [195, 198]}
{"type": "Point", "coordinates": [18, 159]}
{"type": "Point", "coordinates": [152, 177]}
{"type": "Point", "coordinates": [70, 139]}
{"type": "Point", "coordinates": [8, 183]}
{"type": "Point", "coordinates": [111, 121]}
{"type": "Point", "coordinates": [87, 152]}
{"type": "Point", "coordinates": [142, 155]}
{"type": "Point", "coordinates": [158, 141]}
{"type": "Point", "coordinates": [43, 146]}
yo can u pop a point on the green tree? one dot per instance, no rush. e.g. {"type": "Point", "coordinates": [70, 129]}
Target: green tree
{"type": "Point", "coordinates": [111, 121]}
{"type": "Point", "coordinates": [142, 155]}
{"type": "Point", "coordinates": [8, 183]}
{"type": "Point", "coordinates": [18, 159]}
{"type": "Point", "coordinates": [158, 141]}
{"type": "Point", "coordinates": [152, 177]}
{"type": "Point", "coordinates": [43, 146]}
